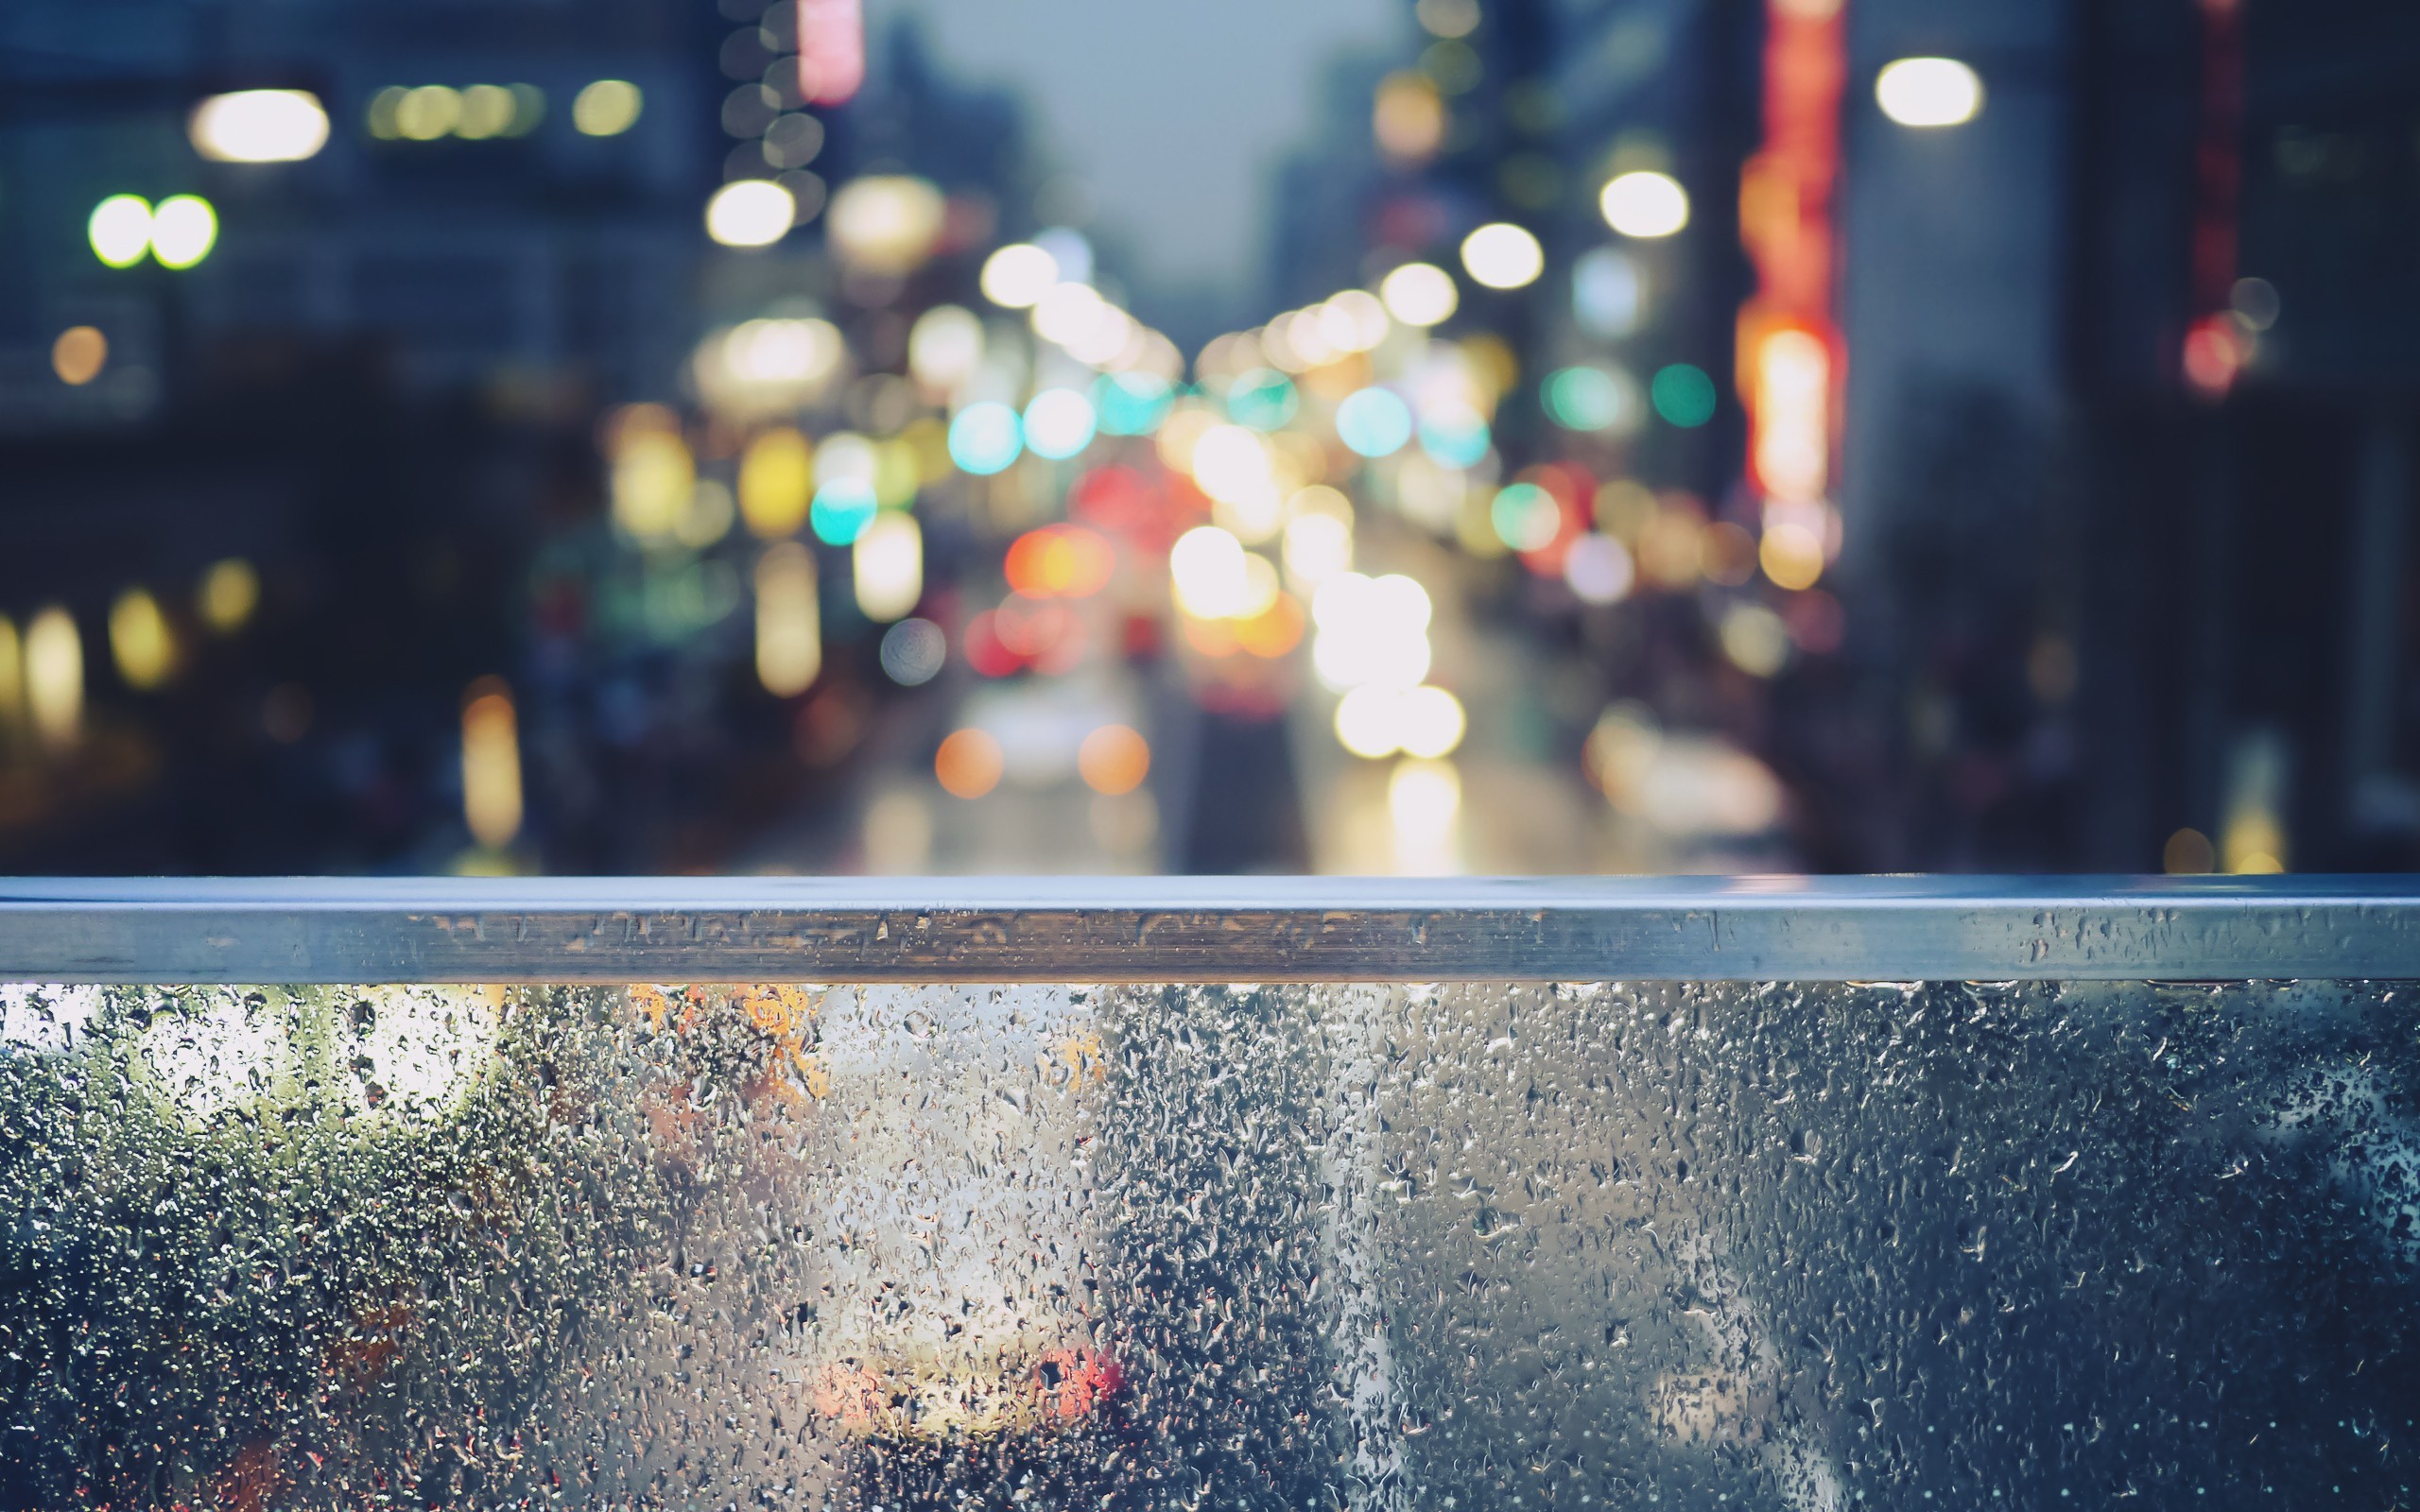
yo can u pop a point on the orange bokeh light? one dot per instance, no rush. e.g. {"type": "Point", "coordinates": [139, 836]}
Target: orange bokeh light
{"type": "Point", "coordinates": [1113, 760]}
{"type": "Point", "coordinates": [1215, 639]}
{"type": "Point", "coordinates": [968, 764]}
{"type": "Point", "coordinates": [1061, 562]}
{"type": "Point", "coordinates": [1274, 630]}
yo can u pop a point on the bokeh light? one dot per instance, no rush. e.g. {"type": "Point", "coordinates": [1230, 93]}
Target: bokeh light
{"type": "Point", "coordinates": [1526, 517]}
{"type": "Point", "coordinates": [945, 347]}
{"type": "Point", "coordinates": [1377, 720]}
{"type": "Point", "coordinates": [888, 565]}
{"type": "Point", "coordinates": [259, 125]}
{"type": "Point", "coordinates": [884, 224]}
{"type": "Point", "coordinates": [1608, 293]}
{"type": "Point", "coordinates": [913, 652]}
{"type": "Point", "coordinates": [229, 590]}
{"type": "Point", "coordinates": [1114, 759]}
{"type": "Point", "coordinates": [1454, 435]}
{"type": "Point", "coordinates": [55, 678]}
{"type": "Point", "coordinates": [790, 624]}
{"type": "Point", "coordinates": [79, 354]}
{"type": "Point", "coordinates": [1373, 422]}
{"type": "Point", "coordinates": [1232, 464]}
{"type": "Point", "coordinates": [985, 438]}
{"type": "Point", "coordinates": [1407, 118]}
{"type": "Point", "coordinates": [1058, 424]}
{"type": "Point", "coordinates": [1018, 275]}
{"type": "Point", "coordinates": [776, 482]}
{"type": "Point", "coordinates": [1683, 394]}
{"type": "Point", "coordinates": [843, 509]}
{"type": "Point", "coordinates": [1060, 561]}
{"type": "Point", "coordinates": [1130, 404]}
{"type": "Point", "coordinates": [652, 473]}
{"type": "Point", "coordinates": [428, 113]}
{"type": "Point", "coordinates": [1372, 630]}
{"type": "Point", "coordinates": [1599, 569]}
{"type": "Point", "coordinates": [1755, 638]}
{"type": "Point", "coordinates": [1420, 294]}
{"type": "Point", "coordinates": [490, 764]}
{"type": "Point", "coordinates": [183, 230]}
{"type": "Point", "coordinates": [140, 640]}
{"type": "Point", "coordinates": [1207, 573]}
{"type": "Point", "coordinates": [1928, 91]}
{"type": "Point", "coordinates": [1263, 399]}
{"type": "Point", "coordinates": [969, 764]}
{"type": "Point", "coordinates": [750, 212]}
{"type": "Point", "coordinates": [1644, 205]}
{"type": "Point", "coordinates": [1448, 19]}
{"type": "Point", "coordinates": [608, 106]}
{"type": "Point", "coordinates": [1503, 256]}
{"type": "Point", "coordinates": [1588, 398]}
{"type": "Point", "coordinates": [1791, 555]}
{"type": "Point", "coordinates": [119, 229]}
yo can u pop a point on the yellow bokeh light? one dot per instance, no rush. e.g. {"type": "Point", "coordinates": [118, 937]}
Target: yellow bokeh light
{"type": "Point", "coordinates": [888, 565]}
{"type": "Point", "coordinates": [55, 678]}
{"type": "Point", "coordinates": [609, 106]}
{"type": "Point", "coordinates": [1425, 804]}
{"type": "Point", "coordinates": [1407, 118]}
{"type": "Point", "coordinates": [884, 224]}
{"type": "Point", "coordinates": [486, 110]}
{"type": "Point", "coordinates": [1791, 555]}
{"type": "Point", "coordinates": [229, 590]}
{"type": "Point", "coordinates": [490, 764]}
{"type": "Point", "coordinates": [790, 624]}
{"type": "Point", "coordinates": [426, 114]}
{"type": "Point", "coordinates": [12, 677]}
{"type": "Point", "coordinates": [140, 640]}
{"type": "Point", "coordinates": [776, 483]}
{"type": "Point", "coordinates": [651, 480]}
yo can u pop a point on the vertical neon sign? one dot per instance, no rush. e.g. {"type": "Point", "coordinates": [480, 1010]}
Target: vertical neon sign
{"type": "Point", "coordinates": [1788, 357]}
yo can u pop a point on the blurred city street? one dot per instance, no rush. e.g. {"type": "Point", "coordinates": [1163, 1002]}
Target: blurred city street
{"type": "Point", "coordinates": [1470, 435]}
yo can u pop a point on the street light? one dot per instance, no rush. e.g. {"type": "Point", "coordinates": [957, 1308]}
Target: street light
{"type": "Point", "coordinates": [259, 125]}
{"type": "Point", "coordinates": [1928, 91]}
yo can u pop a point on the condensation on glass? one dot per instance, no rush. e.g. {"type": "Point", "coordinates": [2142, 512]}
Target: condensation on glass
{"type": "Point", "coordinates": [1475, 1246]}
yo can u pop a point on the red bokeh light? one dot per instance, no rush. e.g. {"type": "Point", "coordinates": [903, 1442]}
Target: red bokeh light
{"type": "Point", "coordinates": [985, 651]}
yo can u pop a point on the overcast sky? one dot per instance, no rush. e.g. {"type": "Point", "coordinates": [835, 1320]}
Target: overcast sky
{"type": "Point", "coordinates": [1173, 110]}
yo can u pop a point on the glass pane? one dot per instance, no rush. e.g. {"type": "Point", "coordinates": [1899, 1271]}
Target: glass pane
{"type": "Point", "coordinates": [1604, 1244]}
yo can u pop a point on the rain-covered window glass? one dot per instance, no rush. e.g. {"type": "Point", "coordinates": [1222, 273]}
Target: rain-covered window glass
{"type": "Point", "coordinates": [1571, 1246]}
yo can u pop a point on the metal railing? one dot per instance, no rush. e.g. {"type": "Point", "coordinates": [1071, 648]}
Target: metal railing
{"type": "Point", "coordinates": [605, 930]}
{"type": "Point", "coordinates": [1158, 1193]}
